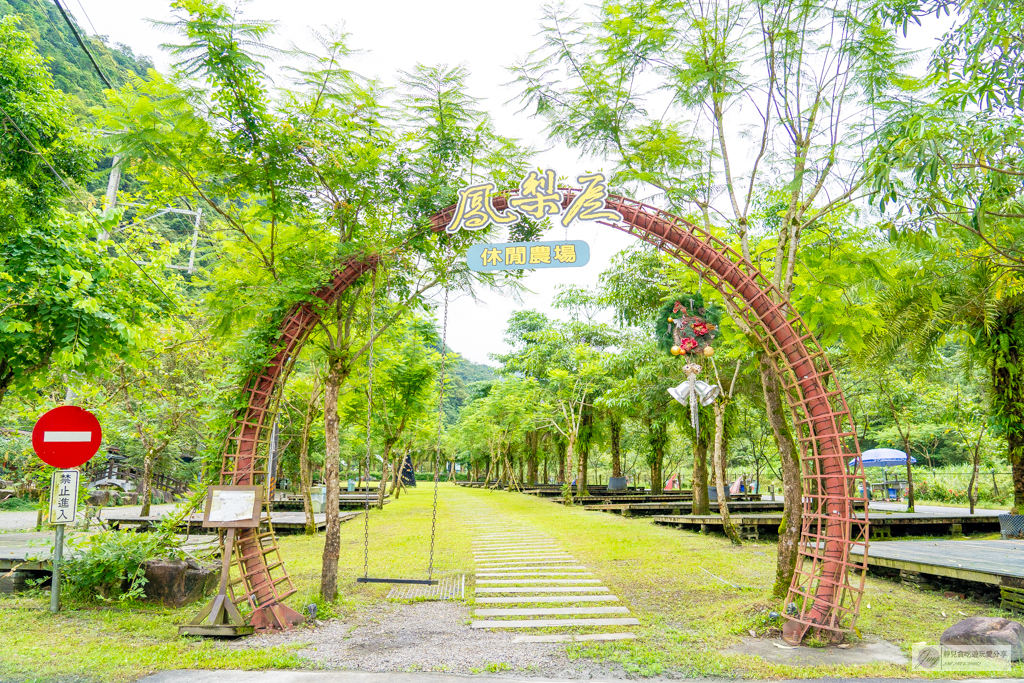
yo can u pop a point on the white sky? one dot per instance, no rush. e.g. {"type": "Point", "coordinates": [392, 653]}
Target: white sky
{"type": "Point", "coordinates": [395, 35]}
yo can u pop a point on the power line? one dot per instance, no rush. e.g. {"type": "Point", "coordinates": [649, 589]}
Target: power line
{"type": "Point", "coordinates": [63, 182]}
{"type": "Point", "coordinates": [81, 42]}
{"type": "Point", "coordinates": [87, 17]}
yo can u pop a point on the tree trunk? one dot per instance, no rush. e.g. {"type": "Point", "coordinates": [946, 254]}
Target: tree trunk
{"type": "Point", "coordinates": [532, 444]}
{"type": "Point", "coordinates": [146, 494]}
{"type": "Point", "coordinates": [972, 488]}
{"type": "Point", "coordinates": [561, 461]}
{"type": "Point", "coordinates": [332, 465]}
{"type": "Point", "coordinates": [305, 478]}
{"type": "Point", "coordinates": [615, 434]}
{"type": "Point", "coordinates": [657, 477]}
{"type": "Point", "coordinates": [581, 447]}
{"type": "Point", "coordinates": [581, 471]}
{"type": "Point", "coordinates": [701, 505]}
{"type": "Point", "coordinates": [1008, 408]}
{"type": "Point", "coordinates": [1015, 444]}
{"type": "Point", "coordinates": [396, 477]}
{"type": "Point", "coordinates": [720, 483]}
{"type": "Point", "coordinates": [910, 473]}
{"type": "Point", "coordinates": [657, 439]}
{"type": "Point", "coordinates": [792, 487]}
{"type": "Point", "coordinates": [386, 469]}
{"type": "Point", "coordinates": [567, 486]}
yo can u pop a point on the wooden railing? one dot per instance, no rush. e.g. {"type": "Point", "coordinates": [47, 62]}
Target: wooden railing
{"type": "Point", "coordinates": [116, 470]}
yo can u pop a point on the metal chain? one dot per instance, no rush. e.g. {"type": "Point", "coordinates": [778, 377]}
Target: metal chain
{"type": "Point", "coordinates": [440, 415]}
{"type": "Point", "coordinates": [369, 418]}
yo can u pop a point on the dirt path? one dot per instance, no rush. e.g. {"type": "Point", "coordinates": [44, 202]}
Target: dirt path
{"type": "Point", "coordinates": [427, 636]}
{"type": "Point", "coordinates": [434, 636]}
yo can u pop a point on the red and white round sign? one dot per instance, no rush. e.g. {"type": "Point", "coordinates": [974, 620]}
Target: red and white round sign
{"type": "Point", "coordinates": [67, 436]}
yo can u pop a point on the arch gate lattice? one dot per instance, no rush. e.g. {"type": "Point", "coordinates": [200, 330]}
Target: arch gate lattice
{"type": "Point", "coordinates": [829, 580]}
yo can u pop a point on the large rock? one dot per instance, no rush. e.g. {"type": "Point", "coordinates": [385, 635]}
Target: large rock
{"type": "Point", "coordinates": [175, 583]}
{"type": "Point", "coordinates": [986, 631]}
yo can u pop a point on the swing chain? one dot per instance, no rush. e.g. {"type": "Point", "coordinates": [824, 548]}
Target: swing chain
{"type": "Point", "coordinates": [369, 417]}
{"type": "Point", "coordinates": [440, 415]}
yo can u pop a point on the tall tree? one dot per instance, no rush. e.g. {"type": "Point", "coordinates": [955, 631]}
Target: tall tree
{"type": "Point", "coordinates": [808, 71]}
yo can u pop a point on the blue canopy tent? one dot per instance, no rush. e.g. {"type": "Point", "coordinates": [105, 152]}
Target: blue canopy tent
{"type": "Point", "coordinates": [883, 457]}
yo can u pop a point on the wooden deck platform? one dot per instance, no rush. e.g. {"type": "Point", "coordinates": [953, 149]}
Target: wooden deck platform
{"type": "Point", "coordinates": [686, 498]}
{"type": "Point", "coordinates": [31, 551]}
{"type": "Point", "coordinates": [285, 522]}
{"type": "Point", "coordinates": [346, 501]}
{"type": "Point", "coordinates": [680, 508]}
{"type": "Point", "coordinates": [998, 563]}
{"type": "Point", "coordinates": [882, 525]}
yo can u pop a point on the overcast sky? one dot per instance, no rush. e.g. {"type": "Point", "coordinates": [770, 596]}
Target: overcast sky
{"type": "Point", "coordinates": [487, 36]}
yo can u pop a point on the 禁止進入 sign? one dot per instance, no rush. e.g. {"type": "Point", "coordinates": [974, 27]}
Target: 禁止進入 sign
{"type": "Point", "coordinates": [63, 496]}
{"type": "Point", "coordinates": [527, 255]}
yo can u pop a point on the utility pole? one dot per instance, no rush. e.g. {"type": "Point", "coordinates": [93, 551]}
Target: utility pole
{"type": "Point", "coordinates": [113, 182]}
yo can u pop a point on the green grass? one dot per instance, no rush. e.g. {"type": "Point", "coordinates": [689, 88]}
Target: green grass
{"type": "Point", "coordinates": [662, 574]}
{"type": "Point", "coordinates": [980, 505]}
{"type": "Point", "coordinates": [687, 616]}
{"type": "Point", "coordinates": [14, 504]}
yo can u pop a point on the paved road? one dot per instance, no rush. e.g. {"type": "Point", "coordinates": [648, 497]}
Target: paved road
{"type": "Point", "coordinates": [931, 509]}
{"type": "Point", "coordinates": [26, 521]}
{"type": "Point", "coordinates": [288, 676]}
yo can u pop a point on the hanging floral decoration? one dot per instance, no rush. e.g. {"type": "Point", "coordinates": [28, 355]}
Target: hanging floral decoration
{"type": "Point", "coordinates": [687, 327]}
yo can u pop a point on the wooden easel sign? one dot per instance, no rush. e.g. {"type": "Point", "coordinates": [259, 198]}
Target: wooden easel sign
{"type": "Point", "coordinates": [230, 508]}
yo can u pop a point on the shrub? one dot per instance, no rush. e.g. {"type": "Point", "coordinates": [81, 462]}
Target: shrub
{"type": "Point", "coordinates": [109, 564]}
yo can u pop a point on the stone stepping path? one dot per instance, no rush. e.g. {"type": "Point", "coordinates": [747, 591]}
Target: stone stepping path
{"type": "Point", "coordinates": [517, 565]}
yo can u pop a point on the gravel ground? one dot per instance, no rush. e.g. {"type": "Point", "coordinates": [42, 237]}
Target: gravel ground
{"type": "Point", "coordinates": [26, 521]}
{"type": "Point", "coordinates": [427, 636]}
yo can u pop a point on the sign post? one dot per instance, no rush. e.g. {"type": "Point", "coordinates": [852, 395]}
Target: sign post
{"type": "Point", "coordinates": [63, 508]}
{"type": "Point", "coordinates": [230, 508]}
{"type": "Point", "coordinates": [64, 437]}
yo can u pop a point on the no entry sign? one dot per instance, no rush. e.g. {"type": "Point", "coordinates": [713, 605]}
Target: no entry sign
{"type": "Point", "coordinates": [66, 437]}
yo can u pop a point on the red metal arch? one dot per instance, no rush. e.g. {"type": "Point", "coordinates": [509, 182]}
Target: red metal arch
{"type": "Point", "coordinates": [828, 582]}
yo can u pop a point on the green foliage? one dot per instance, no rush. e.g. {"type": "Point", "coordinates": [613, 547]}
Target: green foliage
{"type": "Point", "coordinates": [108, 564]}
{"type": "Point", "coordinates": [67, 301]}
{"type": "Point", "coordinates": [15, 504]}
{"type": "Point", "coordinates": [979, 60]}
{"type": "Point", "coordinates": [70, 67]}
{"type": "Point", "coordinates": [36, 133]}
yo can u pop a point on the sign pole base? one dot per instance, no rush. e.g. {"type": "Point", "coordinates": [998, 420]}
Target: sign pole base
{"type": "Point", "coordinates": [220, 617]}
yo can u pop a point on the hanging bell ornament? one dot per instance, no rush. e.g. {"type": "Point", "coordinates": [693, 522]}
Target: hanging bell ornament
{"type": "Point", "coordinates": [671, 320]}
{"type": "Point", "coordinates": [708, 351]}
{"type": "Point", "coordinates": [675, 350]}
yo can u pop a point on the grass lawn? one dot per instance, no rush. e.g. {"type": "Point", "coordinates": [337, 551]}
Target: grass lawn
{"type": "Point", "coordinates": [667, 578]}
{"type": "Point", "coordinates": [965, 506]}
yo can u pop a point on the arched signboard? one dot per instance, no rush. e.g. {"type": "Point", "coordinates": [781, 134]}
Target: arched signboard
{"type": "Point", "coordinates": [829, 580]}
